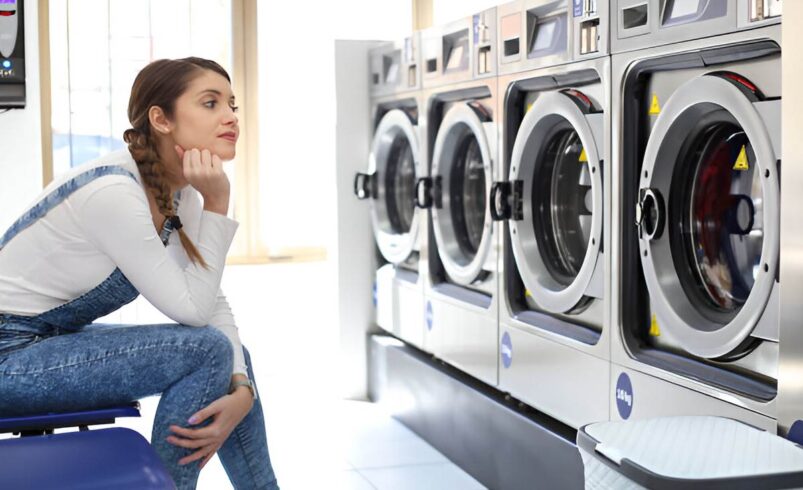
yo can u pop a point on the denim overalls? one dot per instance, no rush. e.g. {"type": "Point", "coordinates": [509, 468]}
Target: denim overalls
{"type": "Point", "coordinates": [151, 356]}
{"type": "Point", "coordinates": [116, 291]}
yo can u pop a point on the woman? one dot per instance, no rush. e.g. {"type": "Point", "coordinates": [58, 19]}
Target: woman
{"type": "Point", "coordinates": [152, 220]}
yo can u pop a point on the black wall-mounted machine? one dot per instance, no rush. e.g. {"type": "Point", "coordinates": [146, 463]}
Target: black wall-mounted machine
{"type": "Point", "coordinates": [12, 55]}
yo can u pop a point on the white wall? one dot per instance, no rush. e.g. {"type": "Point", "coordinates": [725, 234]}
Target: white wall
{"type": "Point", "coordinates": [353, 253]}
{"type": "Point", "coordinates": [297, 109]}
{"type": "Point", "coordinates": [21, 136]}
{"type": "Point", "coordinates": [444, 11]}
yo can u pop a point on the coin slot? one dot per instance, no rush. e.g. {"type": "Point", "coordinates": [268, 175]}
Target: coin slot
{"type": "Point", "coordinates": [588, 36]}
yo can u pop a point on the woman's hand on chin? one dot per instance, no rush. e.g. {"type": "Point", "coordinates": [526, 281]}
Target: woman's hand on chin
{"type": "Point", "coordinates": [204, 172]}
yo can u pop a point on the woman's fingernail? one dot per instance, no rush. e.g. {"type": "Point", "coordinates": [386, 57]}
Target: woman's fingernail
{"type": "Point", "coordinates": [193, 420]}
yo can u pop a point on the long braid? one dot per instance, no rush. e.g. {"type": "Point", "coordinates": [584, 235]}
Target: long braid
{"type": "Point", "coordinates": [159, 84]}
{"type": "Point", "coordinates": [143, 149]}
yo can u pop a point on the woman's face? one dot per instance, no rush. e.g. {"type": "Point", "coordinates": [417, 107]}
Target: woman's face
{"type": "Point", "coordinates": [205, 117]}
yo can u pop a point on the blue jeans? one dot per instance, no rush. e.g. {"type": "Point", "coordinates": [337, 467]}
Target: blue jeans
{"type": "Point", "coordinates": [104, 364]}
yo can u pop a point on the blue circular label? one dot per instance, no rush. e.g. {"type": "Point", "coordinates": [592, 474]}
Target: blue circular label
{"type": "Point", "coordinates": [373, 294]}
{"type": "Point", "coordinates": [506, 350]}
{"type": "Point", "coordinates": [6, 64]}
{"type": "Point", "coordinates": [624, 396]}
{"type": "Point", "coordinates": [429, 315]}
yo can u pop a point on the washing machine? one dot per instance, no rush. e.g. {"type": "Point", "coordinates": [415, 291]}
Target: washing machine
{"type": "Point", "coordinates": [395, 163]}
{"type": "Point", "coordinates": [697, 163]}
{"type": "Point", "coordinates": [459, 82]}
{"type": "Point", "coordinates": [551, 198]}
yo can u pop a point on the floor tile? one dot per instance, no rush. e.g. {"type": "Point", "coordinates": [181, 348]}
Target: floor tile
{"type": "Point", "coordinates": [375, 453]}
{"type": "Point", "coordinates": [313, 479]}
{"type": "Point", "coordinates": [444, 476]}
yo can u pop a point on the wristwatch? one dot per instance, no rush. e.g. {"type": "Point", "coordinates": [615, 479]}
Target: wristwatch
{"type": "Point", "coordinates": [243, 382]}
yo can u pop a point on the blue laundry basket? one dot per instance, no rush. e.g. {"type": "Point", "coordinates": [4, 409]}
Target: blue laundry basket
{"type": "Point", "coordinates": [106, 458]}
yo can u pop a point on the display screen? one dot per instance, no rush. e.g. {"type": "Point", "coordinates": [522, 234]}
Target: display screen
{"type": "Point", "coordinates": [547, 36]}
{"type": "Point", "coordinates": [8, 8]}
{"type": "Point", "coordinates": [455, 56]}
{"type": "Point", "coordinates": [390, 66]}
{"type": "Point", "coordinates": [544, 35]}
{"type": "Point", "coordinates": [683, 8]}
{"type": "Point", "coordinates": [455, 51]}
{"type": "Point", "coordinates": [9, 29]}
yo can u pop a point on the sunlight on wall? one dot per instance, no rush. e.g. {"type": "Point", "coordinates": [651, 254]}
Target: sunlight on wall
{"type": "Point", "coordinates": [444, 11]}
{"type": "Point", "coordinates": [297, 109]}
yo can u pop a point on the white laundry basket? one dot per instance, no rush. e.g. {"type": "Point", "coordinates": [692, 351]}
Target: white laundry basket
{"type": "Point", "coordinates": [690, 452]}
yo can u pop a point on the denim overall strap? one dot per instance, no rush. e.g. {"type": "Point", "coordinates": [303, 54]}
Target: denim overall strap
{"type": "Point", "coordinates": [57, 196]}
{"type": "Point", "coordinates": [111, 294]}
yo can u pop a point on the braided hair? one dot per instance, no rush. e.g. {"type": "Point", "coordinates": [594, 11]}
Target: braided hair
{"type": "Point", "coordinates": [160, 84]}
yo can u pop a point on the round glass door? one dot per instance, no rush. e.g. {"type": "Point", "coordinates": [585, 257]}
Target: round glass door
{"type": "Point", "coordinates": [557, 241]}
{"type": "Point", "coordinates": [718, 233]}
{"type": "Point", "coordinates": [468, 196]}
{"type": "Point", "coordinates": [710, 254]}
{"type": "Point", "coordinates": [561, 197]}
{"type": "Point", "coordinates": [394, 166]}
{"type": "Point", "coordinates": [400, 185]}
{"type": "Point", "coordinates": [461, 164]}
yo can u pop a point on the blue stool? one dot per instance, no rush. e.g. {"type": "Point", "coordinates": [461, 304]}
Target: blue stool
{"type": "Point", "coordinates": [115, 457]}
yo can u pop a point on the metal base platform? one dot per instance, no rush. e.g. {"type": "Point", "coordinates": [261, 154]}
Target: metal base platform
{"type": "Point", "coordinates": [500, 442]}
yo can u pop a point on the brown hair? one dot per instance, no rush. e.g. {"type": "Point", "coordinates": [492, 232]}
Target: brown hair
{"type": "Point", "coordinates": [159, 84]}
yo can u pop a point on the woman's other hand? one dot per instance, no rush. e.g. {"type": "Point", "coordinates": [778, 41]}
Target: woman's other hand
{"type": "Point", "coordinates": [227, 412]}
{"type": "Point", "coordinates": [204, 171]}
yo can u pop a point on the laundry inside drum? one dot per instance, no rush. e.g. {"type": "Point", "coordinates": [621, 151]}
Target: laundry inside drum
{"type": "Point", "coordinates": [720, 228]}
{"type": "Point", "coordinates": [400, 185]}
{"type": "Point", "coordinates": [468, 195]}
{"type": "Point", "coordinates": [562, 204]}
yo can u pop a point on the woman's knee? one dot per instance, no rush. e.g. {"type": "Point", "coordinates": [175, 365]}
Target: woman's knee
{"type": "Point", "coordinates": [215, 343]}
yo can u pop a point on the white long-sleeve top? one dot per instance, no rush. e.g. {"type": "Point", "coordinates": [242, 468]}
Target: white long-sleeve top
{"type": "Point", "coordinates": [107, 224]}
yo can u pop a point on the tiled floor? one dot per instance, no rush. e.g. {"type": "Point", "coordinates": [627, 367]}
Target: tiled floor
{"type": "Point", "coordinates": [367, 450]}
{"type": "Point", "coordinates": [317, 441]}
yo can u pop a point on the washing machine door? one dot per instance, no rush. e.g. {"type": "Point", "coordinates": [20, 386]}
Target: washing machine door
{"type": "Point", "coordinates": [461, 171]}
{"type": "Point", "coordinates": [708, 213]}
{"type": "Point", "coordinates": [557, 162]}
{"type": "Point", "coordinates": [393, 168]}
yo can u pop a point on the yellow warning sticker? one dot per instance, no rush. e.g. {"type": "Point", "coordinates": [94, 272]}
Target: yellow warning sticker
{"type": "Point", "coordinates": [583, 156]}
{"type": "Point", "coordinates": [655, 106]}
{"type": "Point", "coordinates": [741, 161]}
{"type": "Point", "coordinates": [528, 293]}
{"type": "Point", "coordinates": [655, 331]}
{"type": "Point", "coordinates": [529, 106]}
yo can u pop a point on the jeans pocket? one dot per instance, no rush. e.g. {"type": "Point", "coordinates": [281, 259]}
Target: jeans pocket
{"type": "Point", "coordinates": [11, 340]}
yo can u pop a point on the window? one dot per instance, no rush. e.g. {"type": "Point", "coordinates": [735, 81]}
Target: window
{"type": "Point", "coordinates": [96, 49]}
{"type": "Point", "coordinates": [98, 46]}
